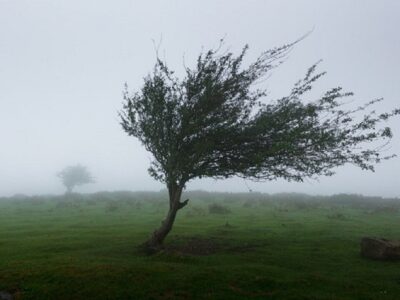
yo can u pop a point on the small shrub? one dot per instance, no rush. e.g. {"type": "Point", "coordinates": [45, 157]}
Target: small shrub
{"type": "Point", "coordinates": [281, 208]}
{"type": "Point", "coordinates": [195, 211]}
{"type": "Point", "coordinates": [218, 209]}
{"type": "Point", "coordinates": [138, 205]}
{"type": "Point", "coordinates": [111, 206]}
{"type": "Point", "coordinates": [249, 203]}
{"type": "Point", "coordinates": [91, 202]}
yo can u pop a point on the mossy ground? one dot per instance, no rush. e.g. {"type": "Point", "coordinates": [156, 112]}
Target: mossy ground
{"type": "Point", "coordinates": [84, 247]}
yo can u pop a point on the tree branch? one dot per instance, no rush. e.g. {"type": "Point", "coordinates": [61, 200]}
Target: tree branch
{"type": "Point", "coordinates": [183, 204]}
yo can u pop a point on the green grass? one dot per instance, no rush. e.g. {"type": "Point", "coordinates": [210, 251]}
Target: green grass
{"type": "Point", "coordinates": [273, 248]}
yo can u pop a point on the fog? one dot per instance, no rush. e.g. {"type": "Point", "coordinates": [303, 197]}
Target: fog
{"type": "Point", "coordinates": [63, 65]}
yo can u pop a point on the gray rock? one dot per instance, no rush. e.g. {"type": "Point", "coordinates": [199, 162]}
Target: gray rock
{"type": "Point", "coordinates": [5, 296]}
{"type": "Point", "coordinates": [380, 249]}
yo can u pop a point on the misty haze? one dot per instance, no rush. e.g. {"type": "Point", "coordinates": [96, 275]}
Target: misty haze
{"type": "Point", "coordinates": [187, 150]}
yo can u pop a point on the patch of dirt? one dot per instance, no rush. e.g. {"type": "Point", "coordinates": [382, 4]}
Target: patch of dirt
{"type": "Point", "coordinates": [246, 247]}
{"type": "Point", "coordinates": [195, 246]}
{"type": "Point", "coordinates": [172, 295]}
{"type": "Point", "coordinates": [208, 246]}
{"type": "Point", "coordinates": [250, 293]}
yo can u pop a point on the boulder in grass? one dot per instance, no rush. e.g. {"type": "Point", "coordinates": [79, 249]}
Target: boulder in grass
{"type": "Point", "coordinates": [380, 249]}
{"type": "Point", "coordinates": [5, 296]}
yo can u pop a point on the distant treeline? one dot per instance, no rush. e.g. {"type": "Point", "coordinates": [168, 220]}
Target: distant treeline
{"type": "Point", "coordinates": [204, 196]}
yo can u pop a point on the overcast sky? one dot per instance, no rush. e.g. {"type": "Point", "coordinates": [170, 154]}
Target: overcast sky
{"type": "Point", "coordinates": [63, 65]}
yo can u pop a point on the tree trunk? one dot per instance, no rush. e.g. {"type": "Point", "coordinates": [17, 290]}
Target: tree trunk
{"type": "Point", "coordinates": [155, 242]}
{"type": "Point", "coordinates": [69, 190]}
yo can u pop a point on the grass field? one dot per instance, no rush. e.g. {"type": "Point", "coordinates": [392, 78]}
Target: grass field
{"type": "Point", "coordinates": [251, 246]}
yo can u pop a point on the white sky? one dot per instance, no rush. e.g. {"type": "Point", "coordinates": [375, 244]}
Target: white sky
{"type": "Point", "coordinates": [63, 65]}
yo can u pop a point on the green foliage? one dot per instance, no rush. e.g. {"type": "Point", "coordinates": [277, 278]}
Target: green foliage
{"type": "Point", "coordinates": [214, 122]}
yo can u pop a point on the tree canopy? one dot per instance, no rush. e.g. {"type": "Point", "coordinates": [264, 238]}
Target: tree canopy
{"type": "Point", "coordinates": [214, 123]}
{"type": "Point", "coordinates": [74, 176]}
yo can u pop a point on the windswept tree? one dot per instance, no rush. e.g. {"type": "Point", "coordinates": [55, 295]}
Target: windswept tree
{"type": "Point", "coordinates": [74, 176]}
{"type": "Point", "coordinates": [215, 122]}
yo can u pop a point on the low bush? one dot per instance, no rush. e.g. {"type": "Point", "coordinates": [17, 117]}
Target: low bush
{"type": "Point", "coordinates": [218, 209]}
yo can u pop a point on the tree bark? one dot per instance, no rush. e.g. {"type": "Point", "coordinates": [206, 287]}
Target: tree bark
{"type": "Point", "coordinates": [155, 242]}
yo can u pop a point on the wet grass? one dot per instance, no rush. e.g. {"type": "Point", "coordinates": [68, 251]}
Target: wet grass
{"type": "Point", "coordinates": [267, 247]}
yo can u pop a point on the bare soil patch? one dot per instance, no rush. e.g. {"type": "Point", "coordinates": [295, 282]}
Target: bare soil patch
{"type": "Point", "coordinates": [196, 245]}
